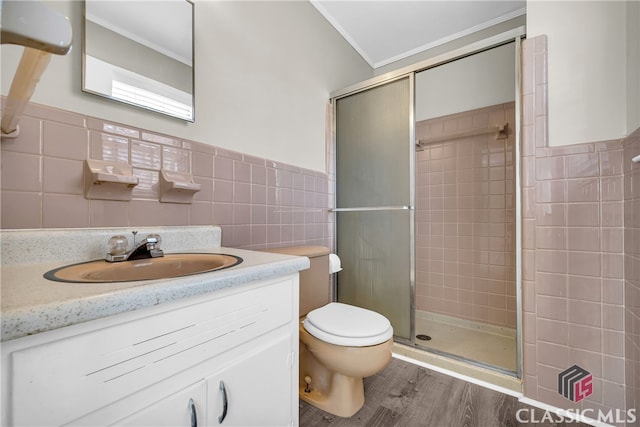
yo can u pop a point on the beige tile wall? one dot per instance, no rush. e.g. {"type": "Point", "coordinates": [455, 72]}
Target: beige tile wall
{"type": "Point", "coordinates": [580, 229]}
{"type": "Point", "coordinates": [258, 202]}
{"type": "Point", "coordinates": [632, 270]}
{"type": "Point", "coordinates": [465, 223]}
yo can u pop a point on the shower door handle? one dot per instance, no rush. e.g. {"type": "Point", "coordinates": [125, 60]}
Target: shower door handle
{"type": "Point", "coordinates": [373, 208]}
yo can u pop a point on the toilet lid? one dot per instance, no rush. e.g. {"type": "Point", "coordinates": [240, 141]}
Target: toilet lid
{"type": "Point", "coordinates": [347, 325]}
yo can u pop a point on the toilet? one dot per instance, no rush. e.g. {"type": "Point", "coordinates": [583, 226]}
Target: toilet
{"type": "Point", "coordinates": [340, 344]}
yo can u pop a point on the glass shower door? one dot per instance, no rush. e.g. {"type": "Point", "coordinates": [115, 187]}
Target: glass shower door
{"type": "Point", "coordinates": [374, 199]}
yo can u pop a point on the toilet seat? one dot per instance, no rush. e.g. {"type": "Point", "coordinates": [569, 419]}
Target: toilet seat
{"type": "Point", "coordinates": [348, 325]}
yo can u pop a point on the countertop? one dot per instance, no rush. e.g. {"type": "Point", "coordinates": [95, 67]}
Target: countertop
{"type": "Point", "coordinates": [32, 304]}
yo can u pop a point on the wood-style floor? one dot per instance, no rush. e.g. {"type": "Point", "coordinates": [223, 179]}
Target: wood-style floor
{"type": "Point", "coordinates": [404, 394]}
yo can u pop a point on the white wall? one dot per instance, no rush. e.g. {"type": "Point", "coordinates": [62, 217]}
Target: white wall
{"type": "Point", "coordinates": [481, 80]}
{"type": "Point", "coordinates": [587, 68]}
{"type": "Point", "coordinates": [264, 71]}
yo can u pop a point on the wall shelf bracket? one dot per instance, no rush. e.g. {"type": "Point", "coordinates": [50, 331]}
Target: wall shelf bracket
{"type": "Point", "coordinates": [177, 187]}
{"type": "Point", "coordinates": [106, 180]}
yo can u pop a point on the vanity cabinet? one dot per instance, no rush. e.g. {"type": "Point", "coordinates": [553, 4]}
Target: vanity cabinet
{"type": "Point", "coordinates": [182, 408]}
{"type": "Point", "coordinates": [254, 383]}
{"type": "Point", "coordinates": [255, 387]}
{"type": "Point", "coordinates": [164, 365]}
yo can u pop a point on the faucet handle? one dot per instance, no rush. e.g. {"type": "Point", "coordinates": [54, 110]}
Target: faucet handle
{"type": "Point", "coordinates": [117, 245]}
{"type": "Point", "coordinates": [117, 249]}
{"type": "Point", "coordinates": [153, 238]}
{"type": "Point", "coordinates": [153, 245]}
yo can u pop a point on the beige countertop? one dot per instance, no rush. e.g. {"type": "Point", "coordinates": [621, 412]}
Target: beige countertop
{"type": "Point", "coordinates": [31, 304]}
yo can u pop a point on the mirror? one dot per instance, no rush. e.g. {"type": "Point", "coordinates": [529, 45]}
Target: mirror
{"type": "Point", "coordinates": [141, 53]}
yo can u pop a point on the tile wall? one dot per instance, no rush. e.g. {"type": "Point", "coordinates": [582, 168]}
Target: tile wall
{"type": "Point", "coordinates": [580, 234]}
{"type": "Point", "coordinates": [258, 202]}
{"type": "Point", "coordinates": [632, 270]}
{"type": "Point", "coordinates": [465, 218]}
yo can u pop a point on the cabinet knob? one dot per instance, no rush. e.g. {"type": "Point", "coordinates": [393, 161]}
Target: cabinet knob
{"type": "Point", "coordinates": [223, 390]}
{"type": "Point", "coordinates": [192, 412]}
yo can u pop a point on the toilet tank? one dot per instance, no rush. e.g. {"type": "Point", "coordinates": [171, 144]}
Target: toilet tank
{"type": "Point", "coordinates": [315, 286]}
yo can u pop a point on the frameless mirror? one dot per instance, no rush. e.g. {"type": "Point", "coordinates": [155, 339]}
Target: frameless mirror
{"type": "Point", "coordinates": [141, 53]}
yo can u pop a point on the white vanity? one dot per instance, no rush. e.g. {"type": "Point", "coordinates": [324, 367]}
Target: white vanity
{"type": "Point", "coordinates": [217, 348]}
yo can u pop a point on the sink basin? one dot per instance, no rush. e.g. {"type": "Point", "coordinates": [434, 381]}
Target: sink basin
{"type": "Point", "coordinates": [168, 266]}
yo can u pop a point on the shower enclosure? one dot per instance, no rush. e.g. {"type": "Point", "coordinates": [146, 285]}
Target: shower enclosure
{"type": "Point", "coordinates": [426, 203]}
{"type": "Point", "coordinates": [374, 199]}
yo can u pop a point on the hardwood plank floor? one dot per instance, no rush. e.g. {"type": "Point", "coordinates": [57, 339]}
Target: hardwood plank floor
{"type": "Point", "coordinates": [408, 395]}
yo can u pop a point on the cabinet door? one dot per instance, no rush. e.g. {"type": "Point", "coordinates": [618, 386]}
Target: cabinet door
{"type": "Point", "coordinates": [257, 386]}
{"type": "Point", "coordinates": [186, 407]}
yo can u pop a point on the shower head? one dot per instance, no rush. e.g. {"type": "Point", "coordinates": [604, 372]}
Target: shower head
{"type": "Point", "coordinates": [35, 25]}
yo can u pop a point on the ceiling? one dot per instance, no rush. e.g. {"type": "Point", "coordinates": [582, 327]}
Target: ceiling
{"type": "Point", "coordinates": [381, 31]}
{"type": "Point", "coordinates": [385, 31]}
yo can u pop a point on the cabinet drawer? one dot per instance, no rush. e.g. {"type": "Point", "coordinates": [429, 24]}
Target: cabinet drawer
{"type": "Point", "coordinates": [80, 374]}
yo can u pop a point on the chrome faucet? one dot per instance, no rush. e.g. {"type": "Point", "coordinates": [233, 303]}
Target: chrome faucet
{"type": "Point", "coordinates": [149, 247]}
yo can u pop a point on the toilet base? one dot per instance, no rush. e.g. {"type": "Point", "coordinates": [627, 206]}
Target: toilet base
{"type": "Point", "coordinates": [346, 399]}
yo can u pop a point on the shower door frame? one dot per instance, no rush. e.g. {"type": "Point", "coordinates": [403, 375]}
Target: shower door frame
{"type": "Point", "coordinates": [515, 35]}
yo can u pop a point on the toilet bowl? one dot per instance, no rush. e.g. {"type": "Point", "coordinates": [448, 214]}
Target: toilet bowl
{"type": "Point", "coordinates": [334, 360]}
{"type": "Point", "coordinates": [340, 344]}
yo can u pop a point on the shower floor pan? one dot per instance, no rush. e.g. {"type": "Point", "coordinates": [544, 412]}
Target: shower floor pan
{"type": "Point", "coordinates": [487, 344]}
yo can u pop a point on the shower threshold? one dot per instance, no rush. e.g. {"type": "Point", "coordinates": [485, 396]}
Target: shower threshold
{"type": "Point", "coordinates": [457, 366]}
